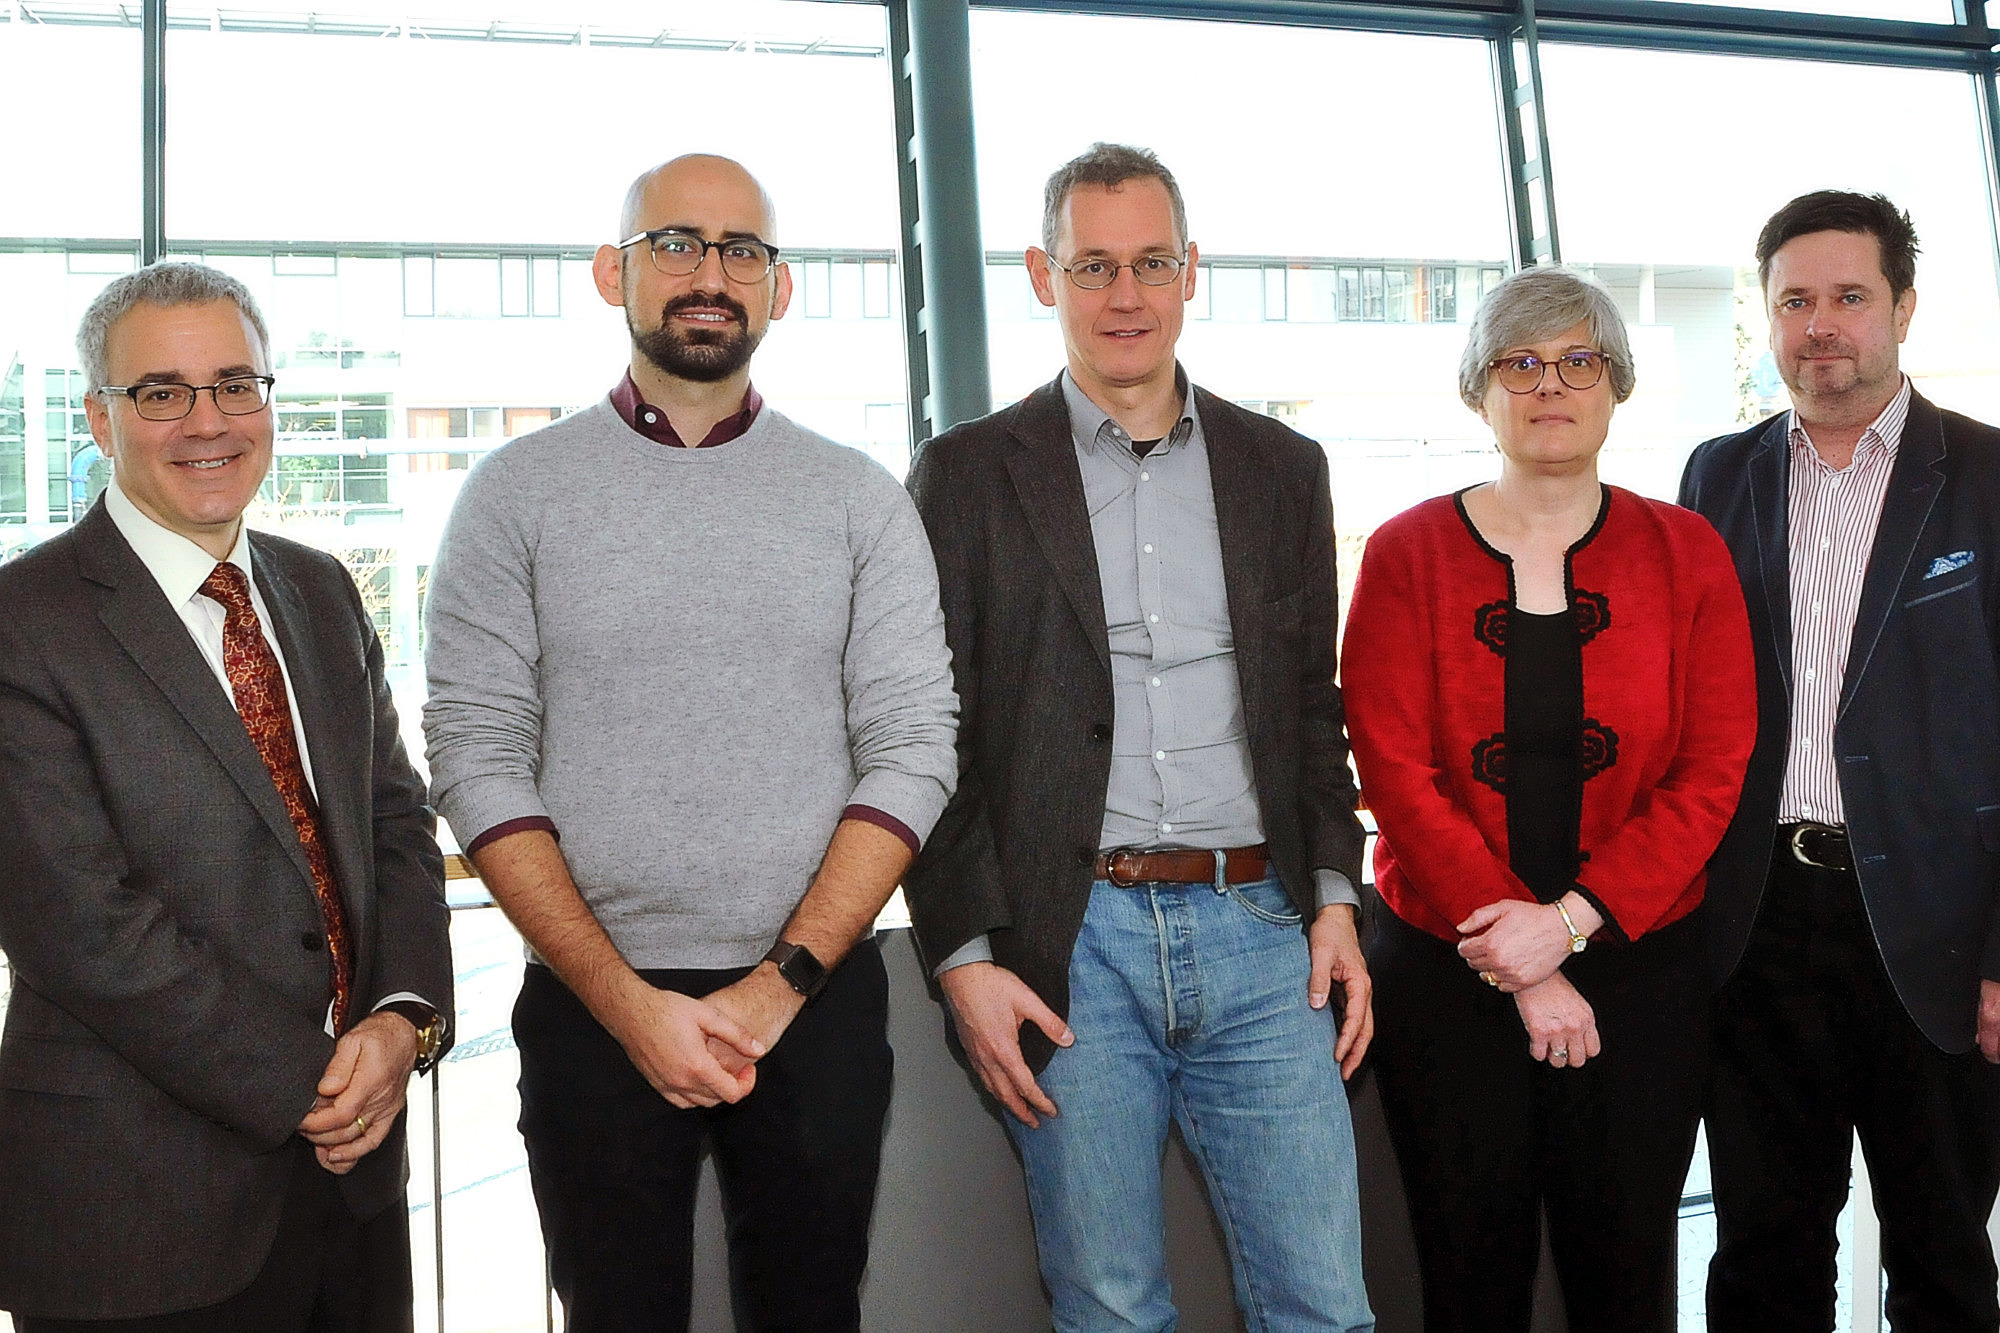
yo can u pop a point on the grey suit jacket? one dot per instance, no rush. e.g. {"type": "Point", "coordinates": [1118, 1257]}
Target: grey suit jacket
{"type": "Point", "coordinates": [1012, 856]}
{"type": "Point", "coordinates": [166, 1030]}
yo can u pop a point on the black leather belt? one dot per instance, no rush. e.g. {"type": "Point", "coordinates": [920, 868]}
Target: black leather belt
{"type": "Point", "coordinates": [1821, 846]}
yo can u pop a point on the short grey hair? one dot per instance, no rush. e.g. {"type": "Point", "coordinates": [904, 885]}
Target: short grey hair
{"type": "Point", "coordinates": [1109, 165]}
{"type": "Point", "coordinates": [1536, 304]}
{"type": "Point", "coordinates": [162, 285]}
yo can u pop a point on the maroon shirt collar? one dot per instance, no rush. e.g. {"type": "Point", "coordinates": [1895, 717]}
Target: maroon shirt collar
{"type": "Point", "coordinates": [652, 423]}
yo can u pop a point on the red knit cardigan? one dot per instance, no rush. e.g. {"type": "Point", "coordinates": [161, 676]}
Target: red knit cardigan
{"type": "Point", "coordinates": [1669, 702]}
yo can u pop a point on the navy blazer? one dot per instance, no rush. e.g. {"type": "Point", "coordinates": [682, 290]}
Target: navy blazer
{"type": "Point", "coordinates": [166, 1030]}
{"type": "Point", "coordinates": [1917, 734]}
{"type": "Point", "coordinates": [1003, 501]}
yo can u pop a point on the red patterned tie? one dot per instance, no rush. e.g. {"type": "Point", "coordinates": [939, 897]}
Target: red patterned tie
{"type": "Point", "coordinates": [259, 686]}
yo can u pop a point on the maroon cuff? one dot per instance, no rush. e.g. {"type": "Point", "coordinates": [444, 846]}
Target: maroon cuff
{"type": "Point", "coordinates": [506, 826]}
{"type": "Point", "coordinates": [868, 814]}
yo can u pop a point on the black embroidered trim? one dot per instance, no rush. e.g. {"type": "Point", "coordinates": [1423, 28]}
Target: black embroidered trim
{"type": "Point", "coordinates": [1593, 614]}
{"type": "Point", "coordinates": [1599, 749]}
{"type": "Point", "coordinates": [1489, 761]}
{"type": "Point", "coordinates": [1489, 626]}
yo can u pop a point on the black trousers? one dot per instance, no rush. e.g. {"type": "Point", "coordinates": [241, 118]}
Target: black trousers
{"type": "Point", "coordinates": [1490, 1140]}
{"type": "Point", "coordinates": [615, 1166]}
{"type": "Point", "coordinates": [326, 1273]}
{"type": "Point", "coordinates": [1812, 1046]}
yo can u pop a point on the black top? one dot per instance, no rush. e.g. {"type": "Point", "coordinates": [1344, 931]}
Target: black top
{"type": "Point", "coordinates": [1544, 701]}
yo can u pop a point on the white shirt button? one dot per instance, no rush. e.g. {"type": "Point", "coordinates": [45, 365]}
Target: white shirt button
{"type": "Point", "coordinates": [1810, 673]}
{"type": "Point", "coordinates": [1156, 681]}
{"type": "Point", "coordinates": [1145, 476]}
{"type": "Point", "coordinates": [1159, 754]}
{"type": "Point", "coordinates": [1149, 548]}
{"type": "Point", "coordinates": [652, 418]}
{"type": "Point", "coordinates": [1166, 828]}
{"type": "Point", "coordinates": [1153, 620]}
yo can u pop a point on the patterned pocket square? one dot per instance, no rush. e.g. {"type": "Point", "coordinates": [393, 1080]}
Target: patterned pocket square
{"type": "Point", "coordinates": [1944, 564]}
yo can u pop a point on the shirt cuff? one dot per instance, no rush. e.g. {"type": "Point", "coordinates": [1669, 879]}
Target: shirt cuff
{"type": "Point", "coordinates": [521, 825]}
{"type": "Point", "coordinates": [978, 949]}
{"type": "Point", "coordinates": [881, 819]}
{"type": "Point", "coordinates": [1333, 888]}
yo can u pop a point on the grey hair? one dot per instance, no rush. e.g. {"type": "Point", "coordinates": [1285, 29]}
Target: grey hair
{"type": "Point", "coordinates": [162, 285]}
{"type": "Point", "coordinates": [1536, 304]}
{"type": "Point", "coordinates": [1109, 165]}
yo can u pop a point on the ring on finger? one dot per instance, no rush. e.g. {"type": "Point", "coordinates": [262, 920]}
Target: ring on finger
{"type": "Point", "coordinates": [1559, 1056]}
{"type": "Point", "coordinates": [361, 1123]}
{"type": "Point", "coordinates": [1489, 978]}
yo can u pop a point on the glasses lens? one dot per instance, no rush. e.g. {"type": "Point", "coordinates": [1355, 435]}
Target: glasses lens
{"type": "Point", "coordinates": [1519, 374]}
{"type": "Point", "coordinates": [1091, 274]}
{"type": "Point", "coordinates": [676, 255]}
{"type": "Point", "coordinates": [1581, 370]}
{"type": "Point", "coordinates": [1157, 270]}
{"type": "Point", "coordinates": [241, 397]}
{"type": "Point", "coordinates": [163, 402]}
{"type": "Point", "coordinates": [745, 261]}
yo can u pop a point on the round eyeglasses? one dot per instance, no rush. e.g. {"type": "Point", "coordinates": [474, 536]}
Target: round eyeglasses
{"type": "Point", "coordinates": [170, 400]}
{"type": "Point", "coordinates": [1523, 372]}
{"type": "Point", "coordinates": [679, 253]}
{"type": "Point", "coordinates": [1096, 274]}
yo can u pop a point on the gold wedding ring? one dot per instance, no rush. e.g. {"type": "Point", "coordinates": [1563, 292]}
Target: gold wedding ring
{"type": "Point", "coordinates": [1489, 978]}
{"type": "Point", "coordinates": [361, 1123]}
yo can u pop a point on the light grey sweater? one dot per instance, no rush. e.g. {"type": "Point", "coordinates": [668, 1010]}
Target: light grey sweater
{"type": "Point", "coordinates": [690, 660]}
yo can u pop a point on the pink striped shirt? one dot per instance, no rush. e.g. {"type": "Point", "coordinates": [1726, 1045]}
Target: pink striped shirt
{"type": "Point", "coordinates": [1832, 517]}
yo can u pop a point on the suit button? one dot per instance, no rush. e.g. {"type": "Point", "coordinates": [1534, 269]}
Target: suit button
{"type": "Point", "coordinates": [1086, 856]}
{"type": "Point", "coordinates": [310, 941]}
{"type": "Point", "coordinates": [1101, 733]}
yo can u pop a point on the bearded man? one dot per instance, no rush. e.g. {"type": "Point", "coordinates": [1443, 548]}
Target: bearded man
{"type": "Point", "coordinates": [691, 714]}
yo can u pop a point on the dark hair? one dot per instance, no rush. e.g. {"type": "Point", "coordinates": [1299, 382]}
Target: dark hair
{"type": "Point", "coordinates": [1858, 214]}
{"type": "Point", "coordinates": [1109, 165]}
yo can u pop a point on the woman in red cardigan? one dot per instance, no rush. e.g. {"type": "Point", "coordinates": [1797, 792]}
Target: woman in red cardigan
{"type": "Point", "coordinates": [1551, 699]}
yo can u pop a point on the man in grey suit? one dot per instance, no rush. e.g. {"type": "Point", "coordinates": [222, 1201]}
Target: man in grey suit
{"type": "Point", "coordinates": [1141, 896]}
{"type": "Point", "coordinates": [222, 897]}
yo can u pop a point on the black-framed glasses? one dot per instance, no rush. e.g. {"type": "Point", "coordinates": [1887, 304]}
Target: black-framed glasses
{"type": "Point", "coordinates": [170, 400]}
{"type": "Point", "coordinates": [1523, 372]}
{"type": "Point", "coordinates": [1095, 275]}
{"type": "Point", "coordinates": [679, 253]}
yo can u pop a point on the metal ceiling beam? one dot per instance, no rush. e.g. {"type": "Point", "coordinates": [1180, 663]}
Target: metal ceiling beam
{"type": "Point", "coordinates": [1647, 24]}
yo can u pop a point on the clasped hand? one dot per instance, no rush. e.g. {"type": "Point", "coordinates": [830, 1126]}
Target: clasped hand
{"type": "Point", "coordinates": [1520, 944]}
{"type": "Point", "coordinates": [361, 1093]}
{"type": "Point", "coordinates": [702, 1052]}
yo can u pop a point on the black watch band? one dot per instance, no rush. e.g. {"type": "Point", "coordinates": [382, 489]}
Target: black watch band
{"type": "Point", "coordinates": [801, 971]}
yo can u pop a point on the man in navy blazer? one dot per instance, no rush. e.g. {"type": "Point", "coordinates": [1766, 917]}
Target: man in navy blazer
{"type": "Point", "coordinates": [1852, 901]}
{"type": "Point", "coordinates": [219, 888]}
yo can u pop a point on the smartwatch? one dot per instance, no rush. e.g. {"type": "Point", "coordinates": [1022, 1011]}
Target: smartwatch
{"type": "Point", "coordinates": [801, 971]}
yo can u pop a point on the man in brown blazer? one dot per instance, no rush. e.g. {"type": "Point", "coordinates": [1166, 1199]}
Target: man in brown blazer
{"type": "Point", "coordinates": [219, 888]}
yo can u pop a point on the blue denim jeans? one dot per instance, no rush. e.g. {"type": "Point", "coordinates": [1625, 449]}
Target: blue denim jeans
{"type": "Point", "coordinates": [1191, 1003]}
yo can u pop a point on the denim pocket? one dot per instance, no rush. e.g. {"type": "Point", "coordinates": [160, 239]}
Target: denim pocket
{"type": "Point", "coordinates": [1267, 901]}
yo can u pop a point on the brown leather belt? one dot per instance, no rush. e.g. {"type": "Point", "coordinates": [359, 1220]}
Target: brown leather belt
{"type": "Point", "coordinates": [1821, 846]}
{"type": "Point", "coordinates": [1127, 866]}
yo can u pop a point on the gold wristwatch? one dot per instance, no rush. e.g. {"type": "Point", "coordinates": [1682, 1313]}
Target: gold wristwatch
{"type": "Point", "coordinates": [429, 1024]}
{"type": "Point", "coordinates": [1578, 941]}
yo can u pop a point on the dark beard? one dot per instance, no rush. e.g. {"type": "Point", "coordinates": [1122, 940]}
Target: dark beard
{"type": "Point", "coordinates": [701, 355]}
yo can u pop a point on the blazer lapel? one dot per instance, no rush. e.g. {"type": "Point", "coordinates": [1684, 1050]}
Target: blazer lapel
{"type": "Point", "coordinates": [1245, 517]}
{"type": "Point", "coordinates": [1770, 492]}
{"type": "Point", "coordinates": [1915, 483]}
{"type": "Point", "coordinates": [152, 633]}
{"type": "Point", "coordinates": [1050, 486]}
{"type": "Point", "coordinates": [328, 737]}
